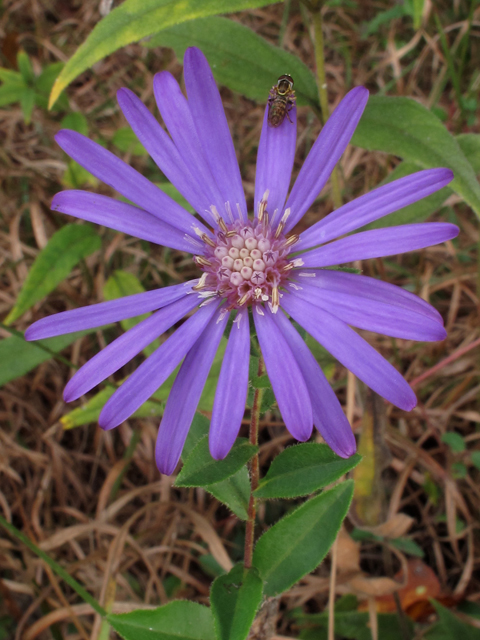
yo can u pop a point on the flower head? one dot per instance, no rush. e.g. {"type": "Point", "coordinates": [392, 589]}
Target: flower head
{"type": "Point", "coordinates": [247, 264]}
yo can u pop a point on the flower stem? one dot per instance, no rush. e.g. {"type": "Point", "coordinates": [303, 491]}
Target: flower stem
{"type": "Point", "coordinates": [322, 92]}
{"type": "Point", "coordinates": [254, 471]}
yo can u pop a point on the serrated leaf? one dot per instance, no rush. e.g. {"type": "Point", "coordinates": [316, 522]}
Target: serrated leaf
{"type": "Point", "coordinates": [234, 492]}
{"type": "Point", "coordinates": [407, 129]}
{"type": "Point", "coordinates": [201, 470]}
{"type": "Point", "coordinates": [137, 19]}
{"type": "Point", "coordinates": [235, 598]}
{"type": "Point", "coordinates": [53, 264]}
{"type": "Point", "coordinates": [297, 544]}
{"type": "Point", "coordinates": [18, 357]}
{"type": "Point", "coordinates": [240, 59]}
{"type": "Point", "coordinates": [177, 620]}
{"type": "Point", "coordinates": [121, 284]}
{"type": "Point", "coordinates": [303, 469]}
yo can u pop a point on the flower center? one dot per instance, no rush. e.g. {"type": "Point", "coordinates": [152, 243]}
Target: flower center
{"type": "Point", "coordinates": [246, 262]}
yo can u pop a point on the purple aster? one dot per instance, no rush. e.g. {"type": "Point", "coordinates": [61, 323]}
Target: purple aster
{"type": "Point", "coordinates": [247, 264]}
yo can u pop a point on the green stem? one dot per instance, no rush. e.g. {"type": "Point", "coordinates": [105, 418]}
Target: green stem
{"type": "Point", "coordinates": [323, 94]}
{"type": "Point", "coordinates": [59, 570]}
{"type": "Point", "coordinates": [254, 471]}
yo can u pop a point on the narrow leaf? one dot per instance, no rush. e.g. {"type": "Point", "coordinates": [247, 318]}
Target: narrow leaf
{"type": "Point", "coordinates": [53, 264]}
{"type": "Point", "coordinates": [405, 128]}
{"type": "Point", "coordinates": [297, 544]}
{"type": "Point", "coordinates": [58, 569]}
{"type": "Point", "coordinates": [134, 20]}
{"type": "Point", "coordinates": [200, 469]}
{"type": "Point", "coordinates": [240, 59]}
{"type": "Point", "coordinates": [303, 469]}
{"type": "Point", "coordinates": [11, 92]}
{"type": "Point", "coordinates": [470, 145]}
{"type": "Point", "coordinates": [235, 598]}
{"type": "Point", "coordinates": [177, 620]}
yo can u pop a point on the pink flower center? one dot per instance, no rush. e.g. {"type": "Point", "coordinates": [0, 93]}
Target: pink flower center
{"type": "Point", "coordinates": [246, 263]}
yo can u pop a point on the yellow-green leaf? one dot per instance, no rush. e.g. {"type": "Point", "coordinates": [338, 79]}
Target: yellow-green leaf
{"type": "Point", "coordinates": [137, 19]}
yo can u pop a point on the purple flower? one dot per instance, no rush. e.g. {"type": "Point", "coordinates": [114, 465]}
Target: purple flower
{"type": "Point", "coordinates": [246, 263]}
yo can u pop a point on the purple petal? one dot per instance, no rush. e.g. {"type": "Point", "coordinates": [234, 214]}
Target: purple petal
{"type": "Point", "coordinates": [153, 372]}
{"type": "Point", "coordinates": [368, 288]}
{"type": "Point", "coordinates": [161, 148]}
{"type": "Point", "coordinates": [285, 376]}
{"type": "Point", "coordinates": [97, 315]}
{"type": "Point", "coordinates": [352, 351]}
{"type": "Point", "coordinates": [121, 216]}
{"type": "Point", "coordinates": [232, 388]}
{"type": "Point", "coordinates": [374, 315]}
{"type": "Point", "coordinates": [212, 128]}
{"type": "Point", "coordinates": [380, 242]}
{"type": "Point", "coordinates": [325, 153]}
{"type": "Point", "coordinates": [176, 114]}
{"type": "Point", "coordinates": [120, 176]}
{"type": "Point", "coordinates": [126, 347]}
{"type": "Point", "coordinates": [328, 415]}
{"type": "Point", "coordinates": [185, 396]}
{"type": "Point", "coordinates": [276, 153]}
{"type": "Point", "coordinates": [375, 205]}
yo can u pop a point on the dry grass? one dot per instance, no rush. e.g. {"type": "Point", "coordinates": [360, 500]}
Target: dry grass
{"type": "Point", "coordinates": [138, 541]}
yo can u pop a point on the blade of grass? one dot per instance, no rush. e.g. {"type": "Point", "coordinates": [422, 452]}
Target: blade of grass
{"type": "Point", "coordinates": [58, 569]}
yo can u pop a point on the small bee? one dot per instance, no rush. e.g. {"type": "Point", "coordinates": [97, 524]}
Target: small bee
{"type": "Point", "coordinates": [281, 101]}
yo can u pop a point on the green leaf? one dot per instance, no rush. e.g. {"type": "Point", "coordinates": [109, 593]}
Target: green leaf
{"type": "Point", "coordinates": [455, 441]}
{"type": "Point", "coordinates": [234, 492]}
{"type": "Point", "coordinates": [297, 544]}
{"type": "Point", "coordinates": [405, 128]}
{"type": "Point", "coordinates": [177, 620]}
{"type": "Point", "coordinates": [449, 626]}
{"type": "Point", "coordinates": [303, 469]}
{"type": "Point", "coordinates": [200, 469]}
{"type": "Point", "coordinates": [470, 145]}
{"type": "Point", "coordinates": [27, 102]}
{"type": "Point", "coordinates": [240, 59]}
{"type": "Point", "coordinates": [125, 139]}
{"type": "Point", "coordinates": [408, 546]}
{"type": "Point", "coordinates": [75, 121]}
{"type": "Point", "coordinates": [475, 456]}
{"type": "Point", "coordinates": [10, 93]}
{"type": "Point", "coordinates": [25, 67]}
{"type": "Point", "coordinates": [76, 176]}
{"type": "Point", "coordinates": [137, 19]}
{"type": "Point", "coordinates": [44, 84]}
{"type": "Point", "coordinates": [235, 598]}
{"type": "Point", "coordinates": [175, 194]}
{"type": "Point", "coordinates": [120, 284]}
{"type": "Point", "coordinates": [18, 357]}
{"type": "Point", "coordinates": [53, 264]}
{"type": "Point", "coordinates": [11, 77]}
